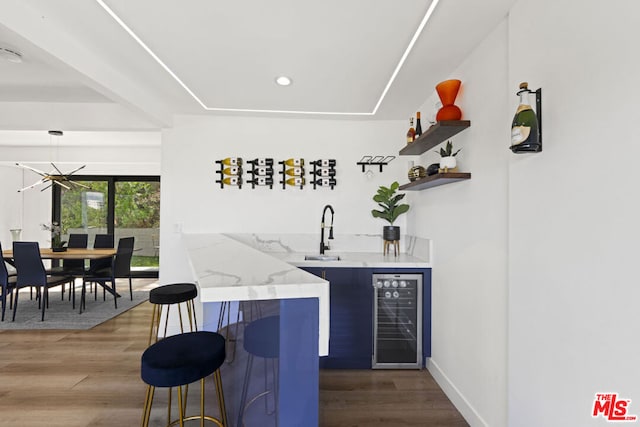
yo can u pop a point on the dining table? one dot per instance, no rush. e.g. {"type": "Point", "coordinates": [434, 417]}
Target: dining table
{"type": "Point", "coordinates": [70, 253]}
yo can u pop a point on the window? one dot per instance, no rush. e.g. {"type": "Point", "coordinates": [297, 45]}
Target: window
{"type": "Point", "coordinates": [120, 205]}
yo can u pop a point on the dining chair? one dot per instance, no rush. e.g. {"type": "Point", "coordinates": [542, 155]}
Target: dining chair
{"type": "Point", "coordinates": [8, 282]}
{"type": "Point", "coordinates": [101, 241]}
{"type": "Point", "coordinates": [31, 272]}
{"type": "Point", "coordinates": [120, 269]}
{"type": "Point", "coordinates": [72, 267]}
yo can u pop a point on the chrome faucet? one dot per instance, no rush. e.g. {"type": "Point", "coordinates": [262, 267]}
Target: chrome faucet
{"type": "Point", "coordinates": [322, 227]}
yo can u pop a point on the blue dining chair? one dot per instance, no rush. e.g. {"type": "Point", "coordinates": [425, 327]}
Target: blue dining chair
{"type": "Point", "coordinates": [120, 268]}
{"type": "Point", "coordinates": [31, 272]}
{"type": "Point", "coordinates": [8, 283]}
{"type": "Point", "coordinates": [100, 241]}
{"type": "Point", "coordinates": [72, 267]}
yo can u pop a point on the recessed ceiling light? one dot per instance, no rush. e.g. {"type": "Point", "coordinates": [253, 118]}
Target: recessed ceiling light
{"type": "Point", "coordinates": [10, 55]}
{"type": "Point", "coordinates": [283, 81]}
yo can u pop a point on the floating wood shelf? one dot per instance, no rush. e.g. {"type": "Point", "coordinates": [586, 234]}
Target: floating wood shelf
{"type": "Point", "coordinates": [434, 136]}
{"type": "Point", "coordinates": [435, 180]}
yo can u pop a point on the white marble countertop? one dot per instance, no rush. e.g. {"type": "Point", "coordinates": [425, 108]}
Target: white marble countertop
{"type": "Point", "coordinates": [251, 267]}
{"type": "Point", "coordinates": [353, 260]}
{"type": "Point", "coordinates": [228, 270]}
{"type": "Point", "coordinates": [354, 250]}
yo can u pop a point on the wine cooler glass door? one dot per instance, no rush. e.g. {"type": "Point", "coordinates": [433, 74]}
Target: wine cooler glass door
{"type": "Point", "coordinates": [397, 322]}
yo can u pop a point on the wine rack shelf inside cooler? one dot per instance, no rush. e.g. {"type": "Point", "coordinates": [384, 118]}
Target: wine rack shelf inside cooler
{"type": "Point", "coordinates": [397, 341]}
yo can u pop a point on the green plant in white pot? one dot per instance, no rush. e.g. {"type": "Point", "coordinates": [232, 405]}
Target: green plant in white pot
{"type": "Point", "coordinates": [389, 201]}
{"type": "Point", "coordinates": [448, 157]}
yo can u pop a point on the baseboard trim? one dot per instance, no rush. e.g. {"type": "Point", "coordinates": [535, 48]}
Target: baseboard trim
{"type": "Point", "coordinates": [452, 392]}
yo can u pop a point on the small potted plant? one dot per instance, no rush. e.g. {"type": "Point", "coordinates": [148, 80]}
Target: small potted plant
{"type": "Point", "coordinates": [389, 201]}
{"type": "Point", "coordinates": [57, 244]}
{"type": "Point", "coordinates": [448, 157]}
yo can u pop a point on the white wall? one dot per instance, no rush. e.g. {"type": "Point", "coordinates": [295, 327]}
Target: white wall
{"type": "Point", "coordinates": [574, 209]}
{"type": "Point", "coordinates": [468, 224]}
{"type": "Point", "coordinates": [103, 153]}
{"type": "Point", "coordinates": [192, 201]}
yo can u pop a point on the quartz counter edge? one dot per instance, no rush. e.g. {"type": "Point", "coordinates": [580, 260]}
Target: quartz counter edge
{"type": "Point", "coordinates": [227, 270]}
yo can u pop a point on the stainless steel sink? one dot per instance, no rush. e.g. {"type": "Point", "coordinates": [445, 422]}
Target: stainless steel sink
{"type": "Point", "coordinates": [322, 257]}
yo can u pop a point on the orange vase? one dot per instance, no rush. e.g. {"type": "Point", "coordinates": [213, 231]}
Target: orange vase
{"type": "Point", "coordinates": [447, 91]}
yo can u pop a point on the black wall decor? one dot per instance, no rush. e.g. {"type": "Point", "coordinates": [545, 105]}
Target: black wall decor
{"type": "Point", "coordinates": [323, 173]}
{"type": "Point", "coordinates": [230, 172]}
{"type": "Point", "coordinates": [261, 171]}
{"type": "Point", "coordinates": [292, 173]}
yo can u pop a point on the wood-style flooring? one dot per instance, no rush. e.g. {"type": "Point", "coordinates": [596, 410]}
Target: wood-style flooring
{"type": "Point", "coordinates": [92, 378]}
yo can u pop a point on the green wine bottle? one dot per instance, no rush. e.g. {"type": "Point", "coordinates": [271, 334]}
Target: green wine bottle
{"type": "Point", "coordinates": [525, 137]}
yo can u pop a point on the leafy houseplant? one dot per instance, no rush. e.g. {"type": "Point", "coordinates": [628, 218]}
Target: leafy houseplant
{"type": "Point", "coordinates": [447, 157]}
{"type": "Point", "coordinates": [57, 244]}
{"type": "Point", "coordinates": [389, 201]}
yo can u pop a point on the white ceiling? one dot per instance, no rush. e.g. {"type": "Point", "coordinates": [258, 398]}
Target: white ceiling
{"type": "Point", "coordinates": [82, 70]}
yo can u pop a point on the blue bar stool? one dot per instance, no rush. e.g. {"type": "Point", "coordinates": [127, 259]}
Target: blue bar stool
{"type": "Point", "coordinates": [163, 297]}
{"type": "Point", "coordinates": [179, 360]}
{"type": "Point", "coordinates": [180, 295]}
{"type": "Point", "coordinates": [261, 339]}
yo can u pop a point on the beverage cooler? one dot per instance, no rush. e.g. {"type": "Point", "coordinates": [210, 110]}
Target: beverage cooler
{"type": "Point", "coordinates": [397, 321]}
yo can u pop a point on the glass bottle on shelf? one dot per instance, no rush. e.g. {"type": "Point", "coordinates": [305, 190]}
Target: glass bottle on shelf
{"type": "Point", "coordinates": [232, 180]}
{"type": "Point", "coordinates": [418, 125]}
{"type": "Point", "coordinates": [261, 162]}
{"type": "Point", "coordinates": [325, 172]}
{"type": "Point", "coordinates": [525, 136]}
{"type": "Point", "coordinates": [411, 133]}
{"type": "Point", "coordinates": [232, 170]}
{"type": "Point", "coordinates": [295, 171]}
{"type": "Point", "coordinates": [297, 181]}
{"type": "Point", "coordinates": [232, 161]}
{"type": "Point", "coordinates": [261, 180]}
{"type": "Point", "coordinates": [294, 162]}
{"type": "Point", "coordinates": [324, 163]}
{"type": "Point", "coordinates": [261, 170]}
{"type": "Point", "coordinates": [325, 182]}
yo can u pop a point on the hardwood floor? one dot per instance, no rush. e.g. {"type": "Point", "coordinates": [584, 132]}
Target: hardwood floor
{"type": "Point", "coordinates": [384, 398]}
{"type": "Point", "coordinates": [92, 378]}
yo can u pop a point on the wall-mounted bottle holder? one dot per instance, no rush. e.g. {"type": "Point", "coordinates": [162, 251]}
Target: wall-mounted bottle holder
{"type": "Point", "coordinates": [230, 172]}
{"type": "Point", "coordinates": [261, 171]}
{"type": "Point", "coordinates": [324, 173]}
{"type": "Point", "coordinates": [379, 161]}
{"type": "Point", "coordinates": [292, 173]}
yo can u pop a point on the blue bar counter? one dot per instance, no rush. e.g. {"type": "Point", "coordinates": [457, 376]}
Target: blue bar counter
{"type": "Point", "coordinates": [283, 386]}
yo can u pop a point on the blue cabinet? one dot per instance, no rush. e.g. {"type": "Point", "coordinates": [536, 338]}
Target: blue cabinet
{"type": "Point", "coordinates": [351, 310]}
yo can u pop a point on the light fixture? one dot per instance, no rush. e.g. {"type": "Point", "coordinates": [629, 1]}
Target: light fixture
{"type": "Point", "coordinates": [54, 177]}
{"type": "Point", "coordinates": [283, 81]}
{"type": "Point", "coordinates": [10, 55]}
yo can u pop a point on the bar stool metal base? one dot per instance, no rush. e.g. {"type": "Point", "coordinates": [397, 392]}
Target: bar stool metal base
{"type": "Point", "coordinates": [182, 406]}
